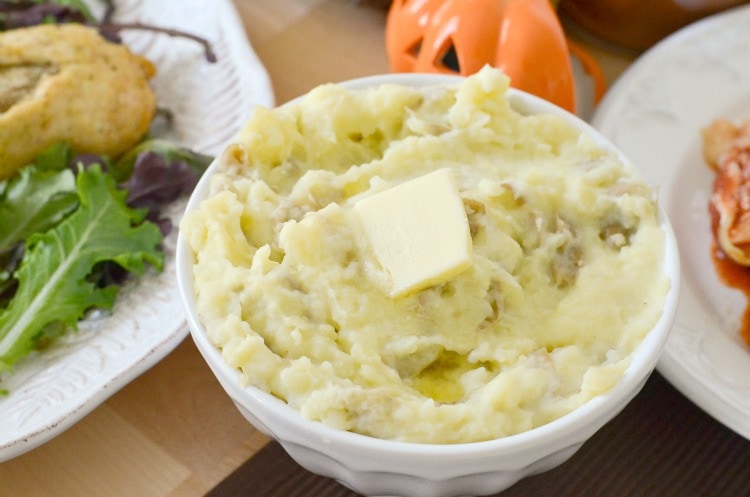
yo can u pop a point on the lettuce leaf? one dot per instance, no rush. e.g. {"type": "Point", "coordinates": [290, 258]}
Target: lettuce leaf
{"type": "Point", "coordinates": [54, 290]}
{"type": "Point", "coordinates": [34, 201]}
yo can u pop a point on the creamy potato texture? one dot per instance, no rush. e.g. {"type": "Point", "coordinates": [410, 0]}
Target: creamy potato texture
{"type": "Point", "coordinates": [565, 277]}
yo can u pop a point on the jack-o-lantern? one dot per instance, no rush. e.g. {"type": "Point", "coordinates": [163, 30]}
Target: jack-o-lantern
{"type": "Point", "coordinates": [523, 38]}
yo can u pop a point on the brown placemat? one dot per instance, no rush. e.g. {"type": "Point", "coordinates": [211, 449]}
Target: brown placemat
{"type": "Point", "coordinates": [660, 445]}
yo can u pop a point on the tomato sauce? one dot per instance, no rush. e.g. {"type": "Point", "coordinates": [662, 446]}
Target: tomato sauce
{"type": "Point", "coordinates": [735, 276]}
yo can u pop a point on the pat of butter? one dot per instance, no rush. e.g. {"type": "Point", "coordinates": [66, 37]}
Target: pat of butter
{"type": "Point", "coordinates": [418, 231]}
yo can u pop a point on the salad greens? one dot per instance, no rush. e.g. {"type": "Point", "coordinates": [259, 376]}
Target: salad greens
{"type": "Point", "coordinates": [53, 285]}
{"type": "Point", "coordinates": [72, 228]}
{"type": "Point", "coordinates": [21, 13]}
{"type": "Point", "coordinates": [34, 201]}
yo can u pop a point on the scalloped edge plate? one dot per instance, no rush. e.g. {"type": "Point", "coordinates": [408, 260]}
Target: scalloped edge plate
{"type": "Point", "coordinates": [654, 114]}
{"type": "Point", "coordinates": [51, 391]}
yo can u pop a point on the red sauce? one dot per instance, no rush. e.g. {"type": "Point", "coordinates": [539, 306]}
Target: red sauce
{"type": "Point", "coordinates": [735, 276]}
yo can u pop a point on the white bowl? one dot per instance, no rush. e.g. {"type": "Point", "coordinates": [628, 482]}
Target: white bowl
{"type": "Point", "coordinates": [376, 467]}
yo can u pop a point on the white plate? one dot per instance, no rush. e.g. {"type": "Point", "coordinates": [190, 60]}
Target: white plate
{"type": "Point", "coordinates": [654, 113]}
{"type": "Point", "coordinates": [51, 391]}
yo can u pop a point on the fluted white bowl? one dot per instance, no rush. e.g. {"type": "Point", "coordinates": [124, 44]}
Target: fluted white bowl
{"type": "Point", "coordinates": [376, 467]}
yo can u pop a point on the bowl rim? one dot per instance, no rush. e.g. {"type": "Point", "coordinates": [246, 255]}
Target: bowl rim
{"type": "Point", "coordinates": [601, 407]}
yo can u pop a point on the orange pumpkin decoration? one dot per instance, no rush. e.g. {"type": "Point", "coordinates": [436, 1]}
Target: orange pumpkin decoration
{"type": "Point", "coordinates": [523, 38]}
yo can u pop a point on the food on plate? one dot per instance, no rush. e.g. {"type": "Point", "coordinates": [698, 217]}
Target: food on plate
{"type": "Point", "coordinates": [82, 185]}
{"type": "Point", "coordinates": [67, 83]}
{"type": "Point", "coordinates": [54, 284]}
{"type": "Point", "coordinates": [426, 265]}
{"type": "Point", "coordinates": [726, 149]}
{"type": "Point", "coordinates": [70, 233]}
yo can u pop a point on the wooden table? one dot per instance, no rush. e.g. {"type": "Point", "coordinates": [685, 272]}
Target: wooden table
{"type": "Point", "coordinates": [173, 431]}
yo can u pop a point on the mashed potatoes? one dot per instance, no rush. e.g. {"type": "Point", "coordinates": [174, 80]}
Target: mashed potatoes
{"type": "Point", "coordinates": [565, 275]}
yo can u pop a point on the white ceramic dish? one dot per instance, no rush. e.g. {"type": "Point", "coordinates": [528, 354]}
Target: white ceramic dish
{"type": "Point", "coordinates": [379, 467]}
{"type": "Point", "coordinates": [654, 114]}
{"type": "Point", "coordinates": [51, 391]}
